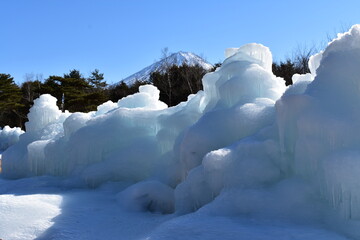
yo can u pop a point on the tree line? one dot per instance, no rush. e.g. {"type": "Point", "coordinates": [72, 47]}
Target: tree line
{"type": "Point", "coordinates": [72, 90]}
{"type": "Point", "coordinates": [77, 93]}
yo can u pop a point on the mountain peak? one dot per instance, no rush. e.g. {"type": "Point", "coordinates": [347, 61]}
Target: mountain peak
{"type": "Point", "coordinates": [177, 58]}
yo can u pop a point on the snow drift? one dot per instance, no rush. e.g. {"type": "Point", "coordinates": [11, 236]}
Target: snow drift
{"type": "Point", "coordinates": [245, 145]}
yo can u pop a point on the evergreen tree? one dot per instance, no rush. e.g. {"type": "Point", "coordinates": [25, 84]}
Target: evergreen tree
{"type": "Point", "coordinates": [74, 74]}
{"type": "Point", "coordinates": [287, 69]}
{"type": "Point", "coordinates": [10, 102]}
{"type": "Point", "coordinates": [75, 91]}
{"type": "Point", "coordinates": [118, 91]}
{"type": "Point", "coordinates": [216, 65]}
{"type": "Point", "coordinates": [96, 80]}
{"type": "Point", "coordinates": [52, 86]}
{"type": "Point", "coordinates": [30, 90]}
{"type": "Point", "coordinates": [122, 90]}
{"type": "Point", "coordinates": [79, 94]}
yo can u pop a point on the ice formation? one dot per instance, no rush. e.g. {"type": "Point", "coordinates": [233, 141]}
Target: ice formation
{"type": "Point", "coordinates": [322, 144]}
{"type": "Point", "coordinates": [245, 145]}
{"type": "Point", "coordinates": [9, 136]}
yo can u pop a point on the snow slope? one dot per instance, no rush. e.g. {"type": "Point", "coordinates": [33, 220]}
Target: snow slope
{"type": "Point", "coordinates": [178, 59]}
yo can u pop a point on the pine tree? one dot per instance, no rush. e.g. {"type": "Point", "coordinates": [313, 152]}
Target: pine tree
{"type": "Point", "coordinates": [96, 79]}
{"type": "Point", "coordinates": [73, 74]}
{"type": "Point", "coordinates": [10, 101]}
{"type": "Point", "coordinates": [75, 89]}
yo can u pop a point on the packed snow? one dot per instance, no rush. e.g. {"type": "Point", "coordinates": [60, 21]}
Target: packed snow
{"type": "Point", "coordinates": [246, 158]}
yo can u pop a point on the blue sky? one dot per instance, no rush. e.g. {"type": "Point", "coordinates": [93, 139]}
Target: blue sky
{"type": "Point", "coordinates": [50, 37]}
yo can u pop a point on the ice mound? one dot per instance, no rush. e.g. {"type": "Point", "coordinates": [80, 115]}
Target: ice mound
{"type": "Point", "coordinates": [239, 100]}
{"type": "Point", "coordinates": [28, 155]}
{"type": "Point", "coordinates": [322, 139]}
{"type": "Point", "coordinates": [243, 77]}
{"type": "Point", "coordinates": [9, 136]}
{"type": "Point", "coordinates": [105, 107]}
{"type": "Point", "coordinates": [252, 162]}
{"type": "Point", "coordinates": [254, 52]}
{"type": "Point", "coordinates": [44, 112]}
{"type": "Point", "coordinates": [146, 98]}
{"type": "Point", "coordinates": [315, 138]}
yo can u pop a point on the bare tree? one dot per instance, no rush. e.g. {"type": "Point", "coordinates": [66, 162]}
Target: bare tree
{"type": "Point", "coordinates": [301, 57]}
{"type": "Point", "coordinates": [30, 85]}
{"type": "Point", "coordinates": [165, 67]}
{"type": "Point", "coordinates": [298, 63]}
{"type": "Point", "coordinates": [186, 75]}
{"type": "Point", "coordinates": [344, 27]}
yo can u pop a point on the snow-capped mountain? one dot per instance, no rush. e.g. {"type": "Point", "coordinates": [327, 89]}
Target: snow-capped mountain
{"type": "Point", "coordinates": [178, 59]}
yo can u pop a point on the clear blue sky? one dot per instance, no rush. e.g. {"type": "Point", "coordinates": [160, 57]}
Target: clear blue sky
{"type": "Point", "coordinates": [120, 37]}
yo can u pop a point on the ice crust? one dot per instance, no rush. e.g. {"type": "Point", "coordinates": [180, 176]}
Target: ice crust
{"type": "Point", "coordinates": [245, 145]}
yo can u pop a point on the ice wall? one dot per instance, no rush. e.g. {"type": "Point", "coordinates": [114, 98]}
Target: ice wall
{"type": "Point", "coordinates": [323, 142]}
{"type": "Point", "coordinates": [313, 146]}
{"type": "Point", "coordinates": [238, 101]}
{"type": "Point", "coordinates": [127, 140]}
{"type": "Point", "coordinates": [134, 138]}
{"type": "Point", "coordinates": [27, 157]}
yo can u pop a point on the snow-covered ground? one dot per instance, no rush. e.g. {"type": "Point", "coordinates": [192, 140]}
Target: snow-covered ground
{"type": "Point", "coordinates": [40, 208]}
